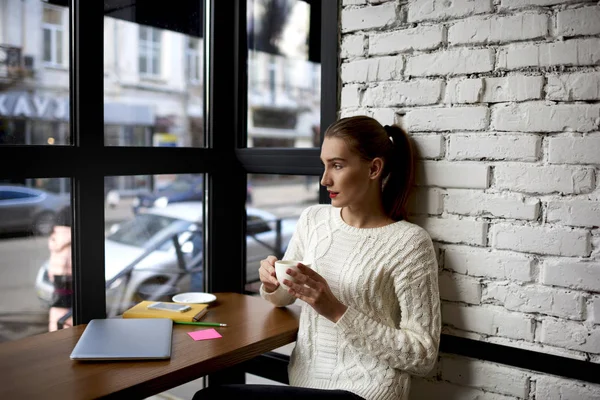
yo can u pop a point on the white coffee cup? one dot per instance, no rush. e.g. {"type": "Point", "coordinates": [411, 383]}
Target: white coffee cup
{"type": "Point", "coordinates": [281, 266]}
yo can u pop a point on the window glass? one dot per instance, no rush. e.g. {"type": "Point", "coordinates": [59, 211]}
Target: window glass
{"type": "Point", "coordinates": [34, 74]}
{"type": "Point", "coordinates": [274, 203]}
{"type": "Point", "coordinates": [284, 95]}
{"type": "Point", "coordinates": [35, 267]}
{"type": "Point", "coordinates": [150, 58]}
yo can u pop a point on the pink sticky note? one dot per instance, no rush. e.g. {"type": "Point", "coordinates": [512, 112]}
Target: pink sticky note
{"type": "Point", "coordinates": [205, 334]}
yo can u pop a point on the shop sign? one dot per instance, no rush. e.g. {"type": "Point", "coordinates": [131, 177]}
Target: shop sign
{"type": "Point", "coordinates": [25, 105]}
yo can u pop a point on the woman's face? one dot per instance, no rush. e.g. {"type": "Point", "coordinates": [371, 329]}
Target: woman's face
{"type": "Point", "coordinates": [346, 175]}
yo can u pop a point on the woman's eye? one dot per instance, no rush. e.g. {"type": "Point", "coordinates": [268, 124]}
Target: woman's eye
{"type": "Point", "coordinates": [337, 166]}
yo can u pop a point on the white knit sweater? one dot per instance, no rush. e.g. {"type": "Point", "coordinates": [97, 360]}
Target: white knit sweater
{"type": "Point", "coordinates": [388, 279]}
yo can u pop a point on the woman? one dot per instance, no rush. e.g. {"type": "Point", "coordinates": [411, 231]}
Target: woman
{"type": "Point", "coordinates": [370, 304]}
{"type": "Point", "coordinates": [60, 270]}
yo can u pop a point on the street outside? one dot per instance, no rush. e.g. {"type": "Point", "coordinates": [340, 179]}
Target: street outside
{"type": "Point", "coordinates": [22, 314]}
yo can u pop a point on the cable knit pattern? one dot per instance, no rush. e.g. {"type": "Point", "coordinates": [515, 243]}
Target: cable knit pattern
{"type": "Point", "coordinates": [388, 278]}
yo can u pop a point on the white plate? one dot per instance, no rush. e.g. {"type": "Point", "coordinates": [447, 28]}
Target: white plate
{"type": "Point", "coordinates": [194, 298]}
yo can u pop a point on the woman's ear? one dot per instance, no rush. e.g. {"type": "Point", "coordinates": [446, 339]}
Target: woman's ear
{"type": "Point", "coordinates": [376, 168]}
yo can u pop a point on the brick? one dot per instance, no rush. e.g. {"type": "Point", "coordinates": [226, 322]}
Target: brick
{"type": "Point", "coordinates": [537, 299]}
{"type": "Point", "coordinates": [572, 274]}
{"type": "Point", "coordinates": [553, 388]}
{"type": "Point", "coordinates": [425, 201]}
{"type": "Point", "coordinates": [578, 21]}
{"type": "Point", "coordinates": [571, 335]}
{"type": "Point", "coordinates": [505, 147]}
{"type": "Point", "coordinates": [385, 116]}
{"type": "Point", "coordinates": [489, 320]}
{"type": "Point", "coordinates": [482, 30]}
{"type": "Point", "coordinates": [354, 2]}
{"type": "Point", "coordinates": [456, 287]}
{"type": "Point", "coordinates": [515, 4]}
{"type": "Point", "coordinates": [544, 179]}
{"type": "Point", "coordinates": [354, 19]}
{"type": "Point", "coordinates": [452, 175]}
{"type": "Point", "coordinates": [350, 96]}
{"type": "Point", "coordinates": [353, 46]}
{"type": "Point", "coordinates": [490, 264]}
{"type": "Point", "coordinates": [419, 38]}
{"type": "Point", "coordinates": [447, 119]}
{"type": "Point", "coordinates": [494, 90]}
{"type": "Point", "coordinates": [372, 70]}
{"type": "Point", "coordinates": [542, 117]}
{"type": "Point", "coordinates": [412, 93]}
{"type": "Point", "coordinates": [485, 375]}
{"type": "Point", "coordinates": [574, 150]}
{"type": "Point", "coordinates": [501, 205]}
{"type": "Point", "coordinates": [451, 62]}
{"type": "Point", "coordinates": [420, 10]}
{"type": "Point", "coordinates": [571, 87]}
{"type": "Point", "coordinates": [577, 52]}
{"type": "Point", "coordinates": [595, 309]}
{"type": "Point", "coordinates": [574, 212]}
{"type": "Point", "coordinates": [421, 389]}
{"type": "Point", "coordinates": [454, 230]}
{"type": "Point", "coordinates": [541, 240]}
{"type": "Point", "coordinates": [428, 146]}
{"type": "Point", "coordinates": [461, 90]}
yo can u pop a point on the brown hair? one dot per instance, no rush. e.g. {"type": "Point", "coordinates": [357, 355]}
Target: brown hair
{"type": "Point", "coordinates": [369, 139]}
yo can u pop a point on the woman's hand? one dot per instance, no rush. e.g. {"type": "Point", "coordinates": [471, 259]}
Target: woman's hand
{"type": "Point", "coordinates": [313, 289]}
{"type": "Point", "coordinates": [267, 275]}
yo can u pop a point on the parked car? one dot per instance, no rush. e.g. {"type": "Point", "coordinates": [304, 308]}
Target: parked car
{"type": "Point", "coordinates": [28, 210]}
{"type": "Point", "coordinates": [141, 257]}
{"type": "Point", "coordinates": [184, 188]}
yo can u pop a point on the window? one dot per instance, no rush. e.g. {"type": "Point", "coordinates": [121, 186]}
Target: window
{"type": "Point", "coordinates": [192, 60]}
{"type": "Point", "coordinates": [53, 36]}
{"type": "Point", "coordinates": [149, 51]}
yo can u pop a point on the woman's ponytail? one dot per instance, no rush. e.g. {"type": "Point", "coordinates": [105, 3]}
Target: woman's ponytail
{"type": "Point", "coordinates": [400, 178]}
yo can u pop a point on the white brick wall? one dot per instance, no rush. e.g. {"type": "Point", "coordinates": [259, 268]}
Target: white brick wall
{"type": "Point", "coordinates": [502, 99]}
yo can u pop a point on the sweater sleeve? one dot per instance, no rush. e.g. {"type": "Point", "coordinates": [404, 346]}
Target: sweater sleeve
{"type": "Point", "coordinates": [413, 345]}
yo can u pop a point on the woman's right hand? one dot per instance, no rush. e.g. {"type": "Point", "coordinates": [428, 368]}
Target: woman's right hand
{"type": "Point", "coordinates": [267, 274]}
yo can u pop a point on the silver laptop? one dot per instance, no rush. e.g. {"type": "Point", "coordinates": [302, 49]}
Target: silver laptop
{"type": "Point", "coordinates": [125, 339]}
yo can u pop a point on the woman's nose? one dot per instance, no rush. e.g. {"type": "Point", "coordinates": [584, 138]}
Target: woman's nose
{"type": "Point", "coordinates": [325, 179]}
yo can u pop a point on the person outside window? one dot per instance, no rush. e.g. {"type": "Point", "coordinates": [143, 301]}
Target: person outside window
{"type": "Point", "coordinates": [60, 270]}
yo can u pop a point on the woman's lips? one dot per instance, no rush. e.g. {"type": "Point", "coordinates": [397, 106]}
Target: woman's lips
{"type": "Point", "coordinates": [332, 195]}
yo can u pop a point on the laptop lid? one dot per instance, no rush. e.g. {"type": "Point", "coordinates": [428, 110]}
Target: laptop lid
{"type": "Point", "coordinates": [125, 339]}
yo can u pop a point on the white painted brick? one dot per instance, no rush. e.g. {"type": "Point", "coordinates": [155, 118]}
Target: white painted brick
{"type": "Point", "coordinates": [421, 389]}
{"type": "Point", "coordinates": [502, 205]}
{"type": "Point", "coordinates": [350, 96]}
{"type": "Point", "coordinates": [447, 119]}
{"type": "Point", "coordinates": [492, 264]}
{"type": "Point", "coordinates": [595, 309]}
{"type": "Point", "coordinates": [568, 52]}
{"type": "Point", "coordinates": [536, 299]}
{"type": "Point", "coordinates": [571, 87]}
{"type": "Point", "coordinates": [425, 201]}
{"type": "Point", "coordinates": [385, 116]}
{"type": "Point", "coordinates": [505, 147]}
{"type": "Point", "coordinates": [553, 388]}
{"type": "Point", "coordinates": [419, 10]}
{"type": "Point", "coordinates": [353, 46]}
{"type": "Point", "coordinates": [412, 93]}
{"type": "Point", "coordinates": [428, 146]}
{"type": "Point", "coordinates": [579, 21]}
{"type": "Point", "coordinates": [539, 347]}
{"type": "Point", "coordinates": [571, 335]}
{"type": "Point", "coordinates": [543, 117]}
{"type": "Point", "coordinates": [451, 62]}
{"type": "Point", "coordinates": [354, 2]}
{"type": "Point", "coordinates": [493, 29]}
{"type": "Point", "coordinates": [419, 38]}
{"type": "Point", "coordinates": [350, 112]}
{"type": "Point", "coordinates": [354, 19]}
{"type": "Point", "coordinates": [452, 175]}
{"type": "Point", "coordinates": [485, 375]}
{"type": "Point", "coordinates": [454, 230]}
{"type": "Point", "coordinates": [571, 274]}
{"type": "Point", "coordinates": [456, 287]}
{"type": "Point", "coordinates": [542, 240]}
{"type": "Point", "coordinates": [574, 212]}
{"type": "Point", "coordinates": [574, 150]}
{"type": "Point", "coordinates": [461, 90]}
{"type": "Point", "coordinates": [514, 4]}
{"type": "Point", "coordinates": [372, 70]}
{"type": "Point", "coordinates": [544, 179]}
{"type": "Point", "coordinates": [512, 88]}
{"type": "Point", "coordinates": [489, 320]}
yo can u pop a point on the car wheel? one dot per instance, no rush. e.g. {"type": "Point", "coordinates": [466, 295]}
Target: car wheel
{"type": "Point", "coordinates": [44, 223]}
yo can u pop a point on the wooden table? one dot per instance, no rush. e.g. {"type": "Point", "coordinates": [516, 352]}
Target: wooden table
{"type": "Point", "coordinates": [39, 367]}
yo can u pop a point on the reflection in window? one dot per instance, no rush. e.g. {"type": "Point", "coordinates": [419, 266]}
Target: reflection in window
{"type": "Point", "coordinates": [192, 60]}
{"type": "Point", "coordinates": [53, 35]}
{"type": "Point", "coordinates": [149, 48]}
{"type": "Point", "coordinates": [283, 83]}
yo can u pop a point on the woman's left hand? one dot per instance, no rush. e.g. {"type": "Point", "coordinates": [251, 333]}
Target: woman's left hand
{"type": "Point", "coordinates": [313, 289]}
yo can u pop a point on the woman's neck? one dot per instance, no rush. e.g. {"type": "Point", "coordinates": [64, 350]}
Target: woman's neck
{"type": "Point", "coordinates": [362, 218]}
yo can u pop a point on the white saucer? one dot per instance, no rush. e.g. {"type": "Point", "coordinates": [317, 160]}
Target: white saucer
{"type": "Point", "coordinates": [194, 298]}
